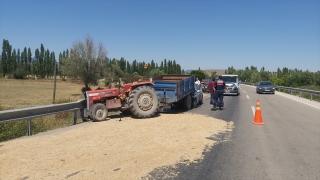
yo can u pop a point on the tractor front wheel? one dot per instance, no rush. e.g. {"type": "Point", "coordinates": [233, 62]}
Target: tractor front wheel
{"type": "Point", "coordinates": [99, 112]}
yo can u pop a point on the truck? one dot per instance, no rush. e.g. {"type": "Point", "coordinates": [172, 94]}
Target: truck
{"type": "Point", "coordinates": [232, 84]}
{"type": "Point", "coordinates": [178, 90]}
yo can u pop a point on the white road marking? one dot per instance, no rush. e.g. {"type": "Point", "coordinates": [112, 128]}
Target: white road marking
{"type": "Point", "coordinates": [249, 86]}
{"type": "Point", "coordinates": [247, 96]}
{"type": "Point", "coordinates": [244, 91]}
{"type": "Point", "coordinates": [253, 110]}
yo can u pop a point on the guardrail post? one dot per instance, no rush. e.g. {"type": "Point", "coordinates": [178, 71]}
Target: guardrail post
{"type": "Point", "coordinates": [75, 118]}
{"type": "Point", "coordinates": [311, 97]}
{"type": "Point", "coordinates": [29, 127]}
{"type": "Point", "coordinates": [300, 94]}
{"type": "Point", "coordinates": [290, 92]}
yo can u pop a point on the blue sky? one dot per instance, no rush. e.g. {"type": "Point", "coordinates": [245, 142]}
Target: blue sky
{"type": "Point", "coordinates": [206, 34]}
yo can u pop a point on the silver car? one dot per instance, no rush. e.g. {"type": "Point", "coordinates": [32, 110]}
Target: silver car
{"type": "Point", "coordinates": [197, 96]}
{"type": "Point", "coordinates": [265, 87]}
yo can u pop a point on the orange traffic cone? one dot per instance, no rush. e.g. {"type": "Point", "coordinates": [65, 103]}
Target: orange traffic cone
{"type": "Point", "coordinates": [258, 117]}
{"type": "Point", "coordinates": [258, 103]}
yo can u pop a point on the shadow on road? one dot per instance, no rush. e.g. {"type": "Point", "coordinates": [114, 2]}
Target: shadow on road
{"type": "Point", "coordinates": [197, 169]}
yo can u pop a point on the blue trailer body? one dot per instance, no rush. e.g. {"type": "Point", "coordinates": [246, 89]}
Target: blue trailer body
{"type": "Point", "coordinates": [173, 88]}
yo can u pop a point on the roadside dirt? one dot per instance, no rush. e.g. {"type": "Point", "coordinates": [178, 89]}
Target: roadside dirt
{"type": "Point", "coordinates": [112, 149]}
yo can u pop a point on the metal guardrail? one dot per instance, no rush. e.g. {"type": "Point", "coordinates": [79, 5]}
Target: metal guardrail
{"type": "Point", "coordinates": [291, 90]}
{"type": "Point", "coordinates": [38, 111]}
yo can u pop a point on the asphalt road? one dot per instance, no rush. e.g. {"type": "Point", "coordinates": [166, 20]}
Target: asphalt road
{"type": "Point", "coordinates": [286, 147]}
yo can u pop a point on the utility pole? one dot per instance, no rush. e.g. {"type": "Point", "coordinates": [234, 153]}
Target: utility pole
{"type": "Point", "coordinates": [54, 82]}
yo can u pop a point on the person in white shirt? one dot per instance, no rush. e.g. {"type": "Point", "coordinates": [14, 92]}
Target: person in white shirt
{"type": "Point", "coordinates": [197, 81]}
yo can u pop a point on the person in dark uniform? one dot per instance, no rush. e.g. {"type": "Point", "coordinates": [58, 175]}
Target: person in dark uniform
{"type": "Point", "coordinates": [219, 85]}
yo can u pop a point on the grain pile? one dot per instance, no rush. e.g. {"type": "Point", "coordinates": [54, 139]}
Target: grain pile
{"type": "Point", "coordinates": [112, 149]}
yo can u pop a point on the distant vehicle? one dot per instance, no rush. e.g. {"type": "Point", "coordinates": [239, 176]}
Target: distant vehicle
{"type": "Point", "coordinates": [197, 96]}
{"type": "Point", "coordinates": [232, 84]}
{"type": "Point", "coordinates": [205, 85]}
{"type": "Point", "coordinates": [265, 87]}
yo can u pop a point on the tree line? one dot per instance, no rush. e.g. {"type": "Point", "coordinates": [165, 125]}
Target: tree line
{"type": "Point", "coordinates": [282, 77]}
{"type": "Point", "coordinates": [19, 64]}
{"type": "Point", "coordinates": [85, 60]}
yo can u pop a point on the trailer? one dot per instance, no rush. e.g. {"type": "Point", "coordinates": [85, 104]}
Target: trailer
{"type": "Point", "coordinates": [176, 90]}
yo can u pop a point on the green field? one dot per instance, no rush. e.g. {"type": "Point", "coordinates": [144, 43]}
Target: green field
{"type": "Point", "coordinates": [16, 94]}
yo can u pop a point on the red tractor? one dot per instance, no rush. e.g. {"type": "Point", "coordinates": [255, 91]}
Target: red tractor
{"type": "Point", "coordinates": [139, 98]}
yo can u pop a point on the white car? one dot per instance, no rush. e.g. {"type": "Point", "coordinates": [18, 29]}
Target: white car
{"type": "Point", "coordinates": [232, 84]}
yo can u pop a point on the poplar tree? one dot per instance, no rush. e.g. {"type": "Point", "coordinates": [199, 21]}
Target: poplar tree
{"type": "Point", "coordinates": [29, 57]}
{"type": "Point", "coordinates": [37, 65]}
{"type": "Point", "coordinates": [41, 61]}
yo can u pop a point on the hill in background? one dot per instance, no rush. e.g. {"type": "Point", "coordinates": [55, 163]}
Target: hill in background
{"type": "Point", "coordinates": [209, 71]}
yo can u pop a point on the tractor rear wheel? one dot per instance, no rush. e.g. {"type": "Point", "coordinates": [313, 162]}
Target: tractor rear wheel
{"type": "Point", "coordinates": [99, 112]}
{"type": "Point", "coordinates": [144, 102]}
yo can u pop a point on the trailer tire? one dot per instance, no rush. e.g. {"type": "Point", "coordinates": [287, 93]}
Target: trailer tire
{"type": "Point", "coordinates": [195, 102]}
{"type": "Point", "coordinates": [187, 102]}
{"type": "Point", "coordinates": [99, 112]}
{"type": "Point", "coordinates": [143, 102]}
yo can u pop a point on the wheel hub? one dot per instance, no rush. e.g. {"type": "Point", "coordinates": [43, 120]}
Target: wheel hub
{"type": "Point", "coordinates": [99, 113]}
{"type": "Point", "coordinates": [145, 102]}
